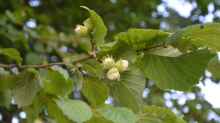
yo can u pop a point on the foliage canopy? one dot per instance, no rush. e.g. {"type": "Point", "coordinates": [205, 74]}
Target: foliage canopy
{"type": "Point", "coordinates": [44, 88]}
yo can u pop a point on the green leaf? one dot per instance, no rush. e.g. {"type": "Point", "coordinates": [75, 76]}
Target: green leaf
{"type": "Point", "coordinates": [165, 51]}
{"type": "Point", "coordinates": [33, 111]}
{"type": "Point", "coordinates": [7, 81]}
{"type": "Point", "coordinates": [5, 97]}
{"type": "Point", "coordinates": [99, 30]}
{"type": "Point", "coordinates": [16, 16]}
{"type": "Point", "coordinates": [95, 91]}
{"type": "Point", "coordinates": [98, 119]}
{"type": "Point", "coordinates": [55, 113]}
{"type": "Point", "coordinates": [75, 110]}
{"type": "Point", "coordinates": [207, 35]}
{"type": "Point", "coordinates": [12, 54]}
{"type": "Point", "coordinates": [119, 50]}
{"type": "Point", "coordinates": [214, 67]}
{"type": "Point", "coordinates": [93, 68]}
{"type": "Point", "coordinates": [33, 58]}
{"type": "Point", "coordinates": [26, 88]}
{"type": "Point", "coordinates": [217, 110]}
{"type": "Point", "coordinates": [4, 72]}
{"type": "Point", "coordinates": [78, 79]}
{"type": "Point", "coordinates": [62, 71]}
{"type": "Point", "coordinates": [131, 84]}
{"type": "Point", "coordinates": [142, 38]}
{"type": "Point", "coordinates": [55, 83]}
{"type": "Point", "coordinates": [179, 73]}
{"type": "Point", "coordinates": [84, 44]}
{"type": "Point", "coordinates": [118, 114]}
{"type": "Point", "coordinates": [154, 114]}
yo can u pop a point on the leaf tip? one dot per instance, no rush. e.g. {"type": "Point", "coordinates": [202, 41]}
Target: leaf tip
{"type": "Point", "coordinates": [85, 7]}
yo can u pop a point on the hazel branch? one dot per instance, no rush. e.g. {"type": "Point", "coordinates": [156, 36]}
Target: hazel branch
{"type": "Point", "coordinates": [44, 65]}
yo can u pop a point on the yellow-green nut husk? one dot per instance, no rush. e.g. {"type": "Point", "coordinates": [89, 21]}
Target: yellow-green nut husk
{"type": "Point", "coordinates": [122, 65]}
{"type": "Point", "coordinates": [108, 62]}
{"type": "Point", "coordinates": [81, 30]}
{"type": "Point", "coordinates": [113, 74]}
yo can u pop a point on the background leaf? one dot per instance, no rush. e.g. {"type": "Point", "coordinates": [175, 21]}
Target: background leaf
{"type": "Point", "coordinates": [7, 81]}
{"type": "Point", "coordinates": [5, 97]}
{"type": "Point", "coordinates": [98, 118]}
{"type": "Point", "coordinates": [26, 88]}
{"type": "Point", "coordinates": [34, 58]}
{"type": "Point", "coordinates": [33, 111]}
{"type": "Point", "coordinates": [118, 115]}
{"type": "Point", "coordinates": [11, 53]}
{"type": "Point", "coordinates": [55, 113]}
{"type": "Point", "coordinates": [75, 110]}
{"type": "Point", "coordinates": [55, 83]}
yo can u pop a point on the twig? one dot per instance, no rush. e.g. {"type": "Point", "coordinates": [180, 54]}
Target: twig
{"type": "Point", "coordinates": [92, 42]}
{"type": "Point", "coordinates": [43, 65]}
{"type": "Point", "coordinates": [92, 54]}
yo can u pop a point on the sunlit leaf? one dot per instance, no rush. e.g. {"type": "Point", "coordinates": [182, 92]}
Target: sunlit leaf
{"type": "Point", "coordinates": [207, 35]}
{"type": "Point", "coordinates": [165, 51]}
{"type": "Point", "coordinates": [142, 38]}
{"type": "Point", "coordinates": [180, 73]}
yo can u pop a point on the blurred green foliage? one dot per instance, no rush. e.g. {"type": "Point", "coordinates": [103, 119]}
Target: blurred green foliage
{"type": "Point", "coordinates": [56, 19]}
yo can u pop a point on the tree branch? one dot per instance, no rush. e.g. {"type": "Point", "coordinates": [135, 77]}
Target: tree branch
{"type": "Point", "coordinates": [44, 65]}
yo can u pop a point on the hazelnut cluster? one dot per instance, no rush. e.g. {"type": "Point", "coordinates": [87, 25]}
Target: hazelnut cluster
{"type": "Point", "coordinates": [114, 68]}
